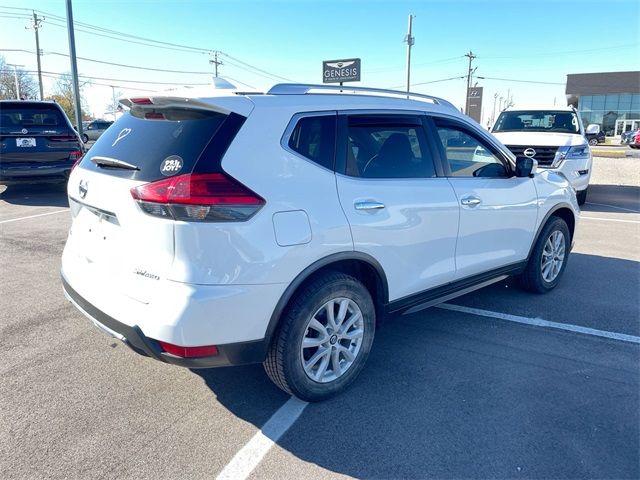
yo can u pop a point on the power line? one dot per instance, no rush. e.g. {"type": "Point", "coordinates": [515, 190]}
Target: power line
{"type": "Point", "coordinates": [520, 81]}
{"type": "Point", "coordinates": [125, 80]}
{"type": "Point", "coordinates": [566, 52]}
{"type": "Point", "coordinates": [239, 63]}
{"type": "Point", "coordinates": [430, 81]}
{"type": "Point", "coordinates": [137, 67]}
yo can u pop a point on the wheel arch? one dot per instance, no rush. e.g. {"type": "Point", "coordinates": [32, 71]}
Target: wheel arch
{"type": "Point", "coordinates": [563, 211]}
{"type": "Point", "coordinates": [360, 265]}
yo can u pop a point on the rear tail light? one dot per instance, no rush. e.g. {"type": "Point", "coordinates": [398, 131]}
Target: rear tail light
{"type": "Point", "coordinates": [189, 352]}
{"type": "Point", "coordinates": [199, 197]}
{"type": "Point", "coordinates": [76, 157]}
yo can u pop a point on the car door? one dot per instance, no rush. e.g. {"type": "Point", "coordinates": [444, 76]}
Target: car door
{"type": "Point", "coordinates": [400, 212]}
{"type": "Point", "coordinates": [498, 211]}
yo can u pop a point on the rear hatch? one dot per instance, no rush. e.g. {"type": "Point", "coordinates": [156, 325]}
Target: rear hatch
{"type": "Point", "coordinates": [112, 237]}
{"type": "Point", "coordinates": [35, 133]}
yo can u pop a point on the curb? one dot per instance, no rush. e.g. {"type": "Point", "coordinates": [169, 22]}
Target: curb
{"type": "Point", "coordinates": [609, 153]}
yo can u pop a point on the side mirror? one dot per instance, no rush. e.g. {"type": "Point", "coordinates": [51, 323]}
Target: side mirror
{"type": "Point", "coordinates": [526, 167]}
{"type": "Point", "coordinates": [593, 129]}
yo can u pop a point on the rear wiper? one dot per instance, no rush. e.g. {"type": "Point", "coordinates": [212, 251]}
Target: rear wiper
{"type": "Point", "coordinates": [113, 163]}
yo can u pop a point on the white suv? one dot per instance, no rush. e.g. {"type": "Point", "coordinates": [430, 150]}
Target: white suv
{"type": "Point", "coordinates": [284, 227]}
{"type": "Point", "coordinates": [554, 136]}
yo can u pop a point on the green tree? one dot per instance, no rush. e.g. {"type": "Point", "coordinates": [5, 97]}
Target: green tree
{"type": "Point", "coordinates": [63, 96]}
{"type": "Point", "coordinates": [27, 83]}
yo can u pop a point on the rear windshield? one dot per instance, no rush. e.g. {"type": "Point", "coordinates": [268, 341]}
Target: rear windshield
{"type": "Point", "coordinates": [537, 121]}
{"type": "Point", "coordinates": [35, 118]}
{"type": "Point", "coordinates": [160, 143]}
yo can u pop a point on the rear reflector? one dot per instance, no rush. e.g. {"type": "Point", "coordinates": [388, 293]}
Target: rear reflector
{"type": "Point", "coordinates": [189, 352]}
{"type": "Point", "coordinates": [198, 197]}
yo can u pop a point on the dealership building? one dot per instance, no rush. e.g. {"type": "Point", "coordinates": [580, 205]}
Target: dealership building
{"type": "Point", "coordinates": [611, 100]}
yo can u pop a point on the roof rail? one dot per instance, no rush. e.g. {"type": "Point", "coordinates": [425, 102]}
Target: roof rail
{"type": "Point", "coordinates": [305, 88]}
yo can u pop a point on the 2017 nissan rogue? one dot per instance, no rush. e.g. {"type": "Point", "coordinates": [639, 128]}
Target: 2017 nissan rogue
{"type": "Point", "coordinates": [229, 228]}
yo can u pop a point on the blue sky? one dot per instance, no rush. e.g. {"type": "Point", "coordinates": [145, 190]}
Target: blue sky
{"type": "Point", "coordinates": [537, 41]}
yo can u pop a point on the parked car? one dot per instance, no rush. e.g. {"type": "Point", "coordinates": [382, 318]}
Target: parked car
{"type": "Point", "coordinates": [554, 136]}
{"type": "Point", "coordinates": [284, 227]}
{"type": "Point", "coordinates": [37, 142]}
{"type": "Point", "coordinates": [595, 135]}
{"type": "Point", "coordinates": [94, 129]}
{"type": "Point", "coordinates": [627, 138]}
{"type": "Point", "coordinates": [634, 141]}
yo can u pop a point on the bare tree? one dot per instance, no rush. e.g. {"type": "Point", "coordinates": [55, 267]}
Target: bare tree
{"type": "Point", "coordinates": [28, 85]}
{"type": "Point", "coordinates": [63, 96]}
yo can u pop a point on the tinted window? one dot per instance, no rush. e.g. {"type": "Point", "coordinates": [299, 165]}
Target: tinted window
{"type": "Point", "coordinates": [467, 156]}
{"type": "Point", "coordinates": [386, 148]}
{"type": "Point", "coordinates": [147, 142]}
{"type": "Point", "coordinates": [33, 117]}
{"type": "Point", "coordinates": [537, 121]}
{"type": "Point", "coordinates": [314, 138]}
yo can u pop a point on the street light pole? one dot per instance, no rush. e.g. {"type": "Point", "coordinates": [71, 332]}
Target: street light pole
{"type": "Point", "coordinates": [74, 68]}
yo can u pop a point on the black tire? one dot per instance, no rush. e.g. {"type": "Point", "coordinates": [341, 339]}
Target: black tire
{"type": "Point", "coordinates": [593, 142]}
{"type": "Point", "coordinates": [581, 196]}
{"type": "Point", "coordinates": [284, 362]}
{"type": "Point", "coordinates": [532, 279]}
{"type": "Point", "coordinates": [85, 138]}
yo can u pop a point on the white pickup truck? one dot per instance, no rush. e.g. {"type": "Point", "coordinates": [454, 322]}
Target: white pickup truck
{"type": "Point", "coordinates": [553, 136]}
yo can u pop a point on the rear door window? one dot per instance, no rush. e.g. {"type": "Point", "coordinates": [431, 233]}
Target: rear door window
{"type": "Point", "coordinates": [162, 142]}
{"type": "Point", "coordinates": [393, 146]}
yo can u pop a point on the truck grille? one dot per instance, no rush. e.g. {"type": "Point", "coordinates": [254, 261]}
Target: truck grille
{"type": "Point", "coordinates": [544, 155]}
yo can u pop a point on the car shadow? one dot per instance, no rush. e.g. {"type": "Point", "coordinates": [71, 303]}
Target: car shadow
{"type": "Point", "coordinates": [452, 395]}
{"type": "Point", "coordinates": [36, 195]}
{"type": "Point", "coordinates": [612, 199]}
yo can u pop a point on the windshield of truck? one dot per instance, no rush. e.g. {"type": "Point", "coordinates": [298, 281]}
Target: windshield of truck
{"type": "Point", "coordinates": [537, 121]}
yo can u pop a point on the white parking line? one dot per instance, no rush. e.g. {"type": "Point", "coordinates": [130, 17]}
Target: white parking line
{"type": "Point", "coordinates": [33, 216]}
{"type": "Point", "coordinates": [614, 206]}
{"type": "Point", "coordinates": [539, 322]}
{"type": "Point", "coordinates": [583, 217]}
{"type": "Point", "coordinates": [249, 456]}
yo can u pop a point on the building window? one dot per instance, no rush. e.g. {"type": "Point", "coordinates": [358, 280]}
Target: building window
{"type": "Point", "coordinates": [611, 102]}
{"type": "Point", "coordinates": [598, 102]}
{"type": "Point", "coordinates": [635, 101]}
{"type": "Point", "coordinates": [625, 102]}
{"type": "Point", "coordinates": [585, 102]}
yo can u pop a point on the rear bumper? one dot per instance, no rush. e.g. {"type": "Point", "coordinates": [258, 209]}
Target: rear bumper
{"type": "Point", "coordinates": [230, 354]}
{"type": "Point", "coordinates": [32, 172]}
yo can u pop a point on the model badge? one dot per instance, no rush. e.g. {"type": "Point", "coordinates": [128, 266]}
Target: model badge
{"type": "Point", "coordinates": [83, 188]}
{"type": "Point", "coordinates": [529, 152]}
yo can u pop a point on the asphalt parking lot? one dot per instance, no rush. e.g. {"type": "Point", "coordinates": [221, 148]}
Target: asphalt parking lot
{"type": "Point", "coordinates": [466, 393]}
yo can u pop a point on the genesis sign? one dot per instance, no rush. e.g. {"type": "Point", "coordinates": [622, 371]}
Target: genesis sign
{"type": "Point", "coordinates": [338, 71]}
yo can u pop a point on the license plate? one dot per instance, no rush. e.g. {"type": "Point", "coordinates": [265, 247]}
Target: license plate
{"type": "Point", "coordinates": [26, 142]}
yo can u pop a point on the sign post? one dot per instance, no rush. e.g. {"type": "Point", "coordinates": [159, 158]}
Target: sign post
{"type": "Point", "coordinates": [339, 71]}
{"type": "Point", "coordinates": [474, 101]}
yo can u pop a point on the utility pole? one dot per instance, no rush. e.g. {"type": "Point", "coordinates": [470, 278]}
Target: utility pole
{"type": "Point", "coordinates": [15, 77]}
{"type": "Point", "coordinates": [37, 23]}
{"type": "Point", "coordinates": [410, 42]}
{"type": "Point", "coordinates": [470, 56]}
{"type": "Point", "coordinates": [74, 68]}
{"type": "Point", "coordinates": [215, 61]}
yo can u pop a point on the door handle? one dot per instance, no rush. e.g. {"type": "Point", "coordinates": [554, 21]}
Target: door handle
{"type": "Point", "coordinates": [368, 205]}
{"type": "Point", "coordinates": [471, 201]}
